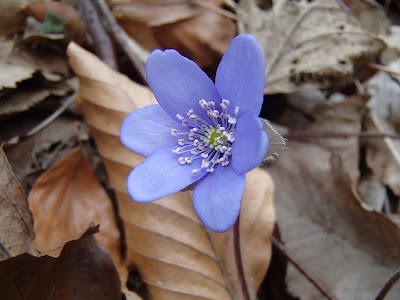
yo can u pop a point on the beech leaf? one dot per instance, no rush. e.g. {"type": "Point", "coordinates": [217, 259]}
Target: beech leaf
{"type": "Point", "coordinates": [178, 258]}
{"type": "Point", "coordinates": [66, 200]}
{"type": "Point", "coordinates": [308, 44]}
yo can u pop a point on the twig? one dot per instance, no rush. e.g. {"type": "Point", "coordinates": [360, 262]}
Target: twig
{"type": "Point", "coordinates": [319, 135]}
{"type": "Point", "coordinates": [102, 43]}
{"type": "Point", "coordinates": [383, 68]}
{"type": "Point", "coordinates": [216, 9]}
{"type": "Point", "coordinates": [122, 38]}
{"type": "Point", "coordinates": [238, 260]}
{"type": "Point", "coordinates": [388, 285]}
{"type": "Point", "coordinates": [67, 103]}
{"type": "Point", "coordinates": [319, 285]}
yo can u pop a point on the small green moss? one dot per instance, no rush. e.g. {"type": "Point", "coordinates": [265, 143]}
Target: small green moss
{"type": "Point", "coordinates": [52, 24]}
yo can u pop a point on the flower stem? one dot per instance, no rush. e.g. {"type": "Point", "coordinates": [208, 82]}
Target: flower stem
{"type": "Point", "coordinates": [389, 284]}
{"type": "Point", "coordinates": [238, 260]}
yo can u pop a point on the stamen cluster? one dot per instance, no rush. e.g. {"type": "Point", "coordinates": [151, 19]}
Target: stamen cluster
{"type": "Point", "coordinates": [210, 139]}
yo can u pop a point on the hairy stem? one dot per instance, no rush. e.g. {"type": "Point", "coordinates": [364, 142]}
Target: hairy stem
{"type": "Point", "coordinates": [389, 284]}
{"type": "Point", "coordinates": [319, 285]}
{"type": "Point", "coordinates": [238, 260]}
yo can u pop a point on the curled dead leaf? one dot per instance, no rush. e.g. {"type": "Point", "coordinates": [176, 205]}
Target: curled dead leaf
{"type": "Point", "coordinates": [66, 200]}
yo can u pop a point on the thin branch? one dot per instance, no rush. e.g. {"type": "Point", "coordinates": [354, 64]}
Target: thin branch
{"type": "Point", "coordinates": [383, 68]}
{"type": "Point", "coordinates": [319, 285]}
{"type": "Point", "coordinates": [238, 260]}
{"type": "Point", "coordinates": [102, 43]}
{"type": "Point", "coordinates": [321, 135]}
{"type": "Point", "coordinates": [388, 285]}
{"type": "Point", "coordinates": [122, 38]}
{"type": "Point", "coordinates": [67, 103]}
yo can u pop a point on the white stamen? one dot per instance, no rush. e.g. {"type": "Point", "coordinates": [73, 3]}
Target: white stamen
{"type": "Point", "coordinates": [208, 138]}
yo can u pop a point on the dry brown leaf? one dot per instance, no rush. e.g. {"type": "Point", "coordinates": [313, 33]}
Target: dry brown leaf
{"type": "Point", "coordinates": [177, 257]}
{"type": "Point", "coordinates": [308, 44]}
{"type": "Point", "coordinates": [83, 270]}
{"type": "Point", "coordinates": [201, 34]}
{"type": "Point", "coordinates": [350, 249]}
{"type": "Point", "coordinates": [12, 20]}
{"type": "Point", "coordinates": [16, 223]}
{"type": "Point", "coordinates": [66, 200]}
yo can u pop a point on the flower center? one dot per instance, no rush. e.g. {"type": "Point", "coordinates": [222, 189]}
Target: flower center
{"type": "Point", "coordinates": [210, 139]}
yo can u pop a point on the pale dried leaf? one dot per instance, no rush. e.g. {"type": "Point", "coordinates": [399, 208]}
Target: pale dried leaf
{"type": "Point", "coordinates": [383, 155]}
{"type": "Point", "coordinates": [371, 15]}
{"type": "Point", "coordinates": [276, 141]}
{"type": "Point", "coordinates": [392, 39]}
{"type": "Point", "coordinates": [373, 192]}
{"type": "Point", "coordinates": [324, 225]}
{"type": "Point", "coordinates": [308, 44]}
{"type": "Point", "coordinates": [384, 89]}
{"type": "Point", "coordinates": [16, 223]}
{"type": "Point", "coordinates": [11, 74]}
{"type": "Point", "coordinates": [166, 241]}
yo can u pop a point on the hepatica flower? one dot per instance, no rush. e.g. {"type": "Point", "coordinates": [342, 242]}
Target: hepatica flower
{"type": "Point", "coordinates": [200, 131]}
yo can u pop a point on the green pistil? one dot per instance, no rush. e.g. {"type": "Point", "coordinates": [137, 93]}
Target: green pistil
{"type": "Point", "coordinates": [212, 137]}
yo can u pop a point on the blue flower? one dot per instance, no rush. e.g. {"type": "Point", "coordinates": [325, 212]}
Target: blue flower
{"type": "Point", "coordinates": [200, 132]}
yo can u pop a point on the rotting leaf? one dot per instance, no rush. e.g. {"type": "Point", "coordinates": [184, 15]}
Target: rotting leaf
{"type": "Point", "coordinates": [16, 223]}
{"type": "Point", "coordinates": [177, 257]}
{"type": "Point", "coordinates": [83, 269]}
{"type": "Point", "coordinates": [308, 44]}
{"type": "Point", "coordinates": [66, 199]}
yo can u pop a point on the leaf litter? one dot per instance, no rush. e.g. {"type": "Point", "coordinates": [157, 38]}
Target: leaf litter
{"type": "Point", "coordinates": [335, 184]}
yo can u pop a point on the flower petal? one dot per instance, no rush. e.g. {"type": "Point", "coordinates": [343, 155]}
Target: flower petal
{"type": "Point", "coordinates": [217, 198]}
{"type": "Point", "coordinates": [179, 84]}
{"type": "Point", "coordinates": [250, 145]}
{"type": "Point", "coordinates": [161, 175]}
{"type": "Point", "coordinates": [146, 130]}
{"type": "Point", "coordinates": [241, 74]}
